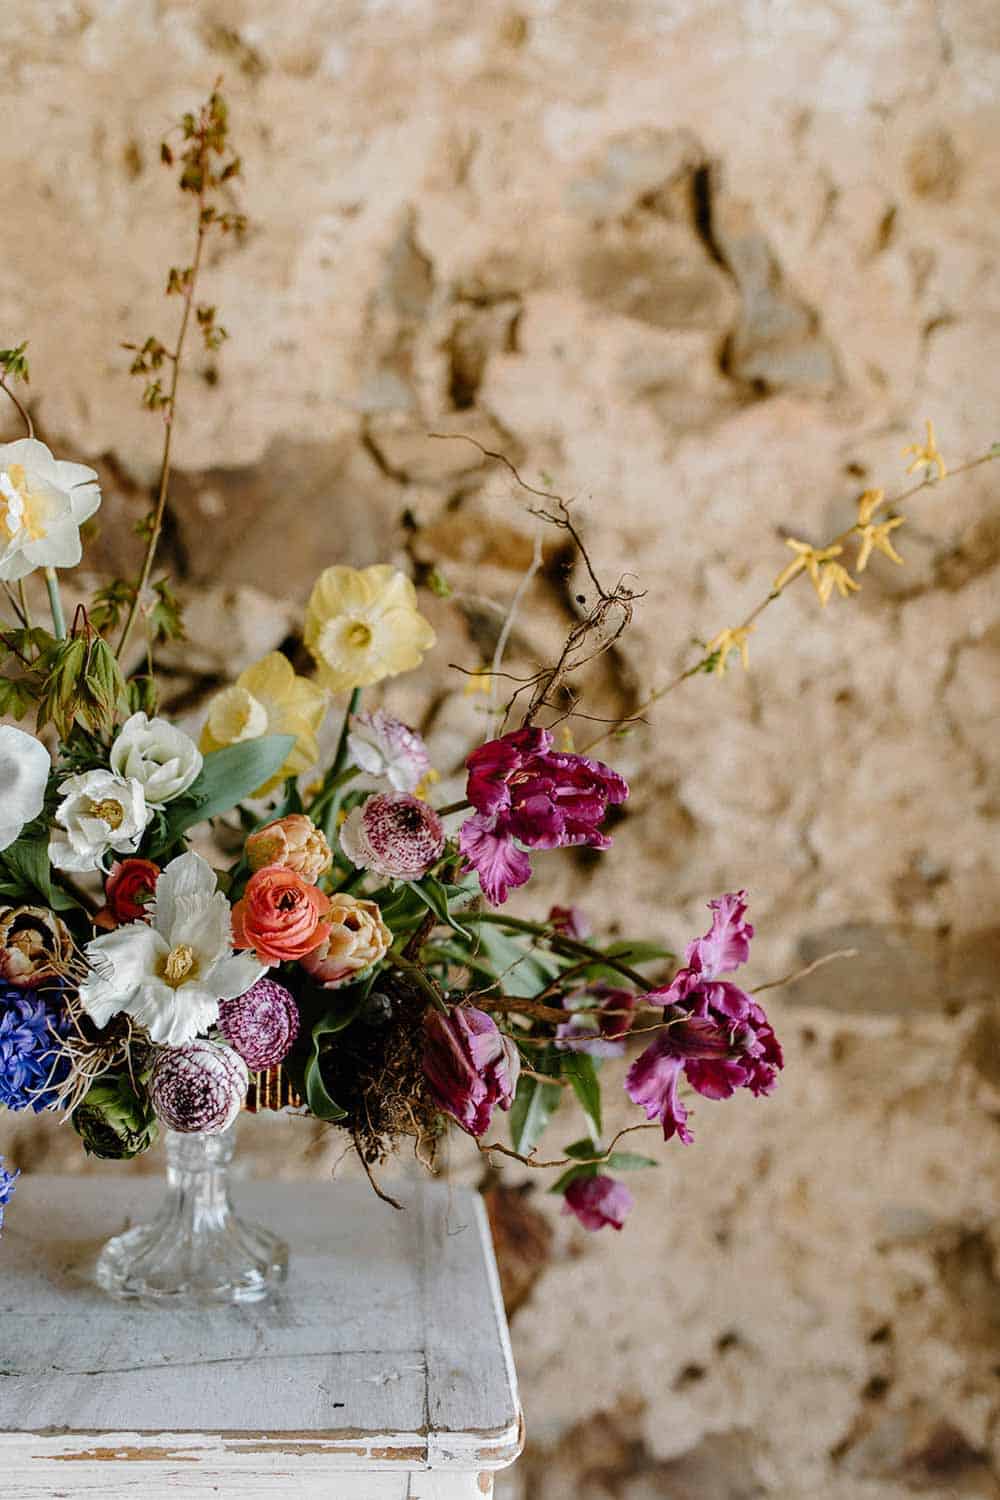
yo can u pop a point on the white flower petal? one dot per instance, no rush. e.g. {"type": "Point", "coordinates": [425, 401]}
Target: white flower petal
{"type": "Point", "coordinates": [24, 774]}
{"type": "Point", "coordinates": [187, 876]}
{"type": "Point", "coordinates": [231, 977]}
{"type": "Point", "coordinates": [120, 961]}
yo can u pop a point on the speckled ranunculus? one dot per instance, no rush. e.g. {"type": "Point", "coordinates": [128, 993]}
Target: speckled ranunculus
{"type": "Point", "coordinates": [394, 835]}
{"type": "Point", "coordinates": [35, 946]}
{"type": "Point", "coordinates": [198, 1087]}
{"type": "Point", "coordinates": [261, 1025]}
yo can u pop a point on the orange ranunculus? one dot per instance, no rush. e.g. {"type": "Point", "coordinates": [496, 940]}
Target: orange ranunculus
{"type": "Point", "coordinates": [280, 915]}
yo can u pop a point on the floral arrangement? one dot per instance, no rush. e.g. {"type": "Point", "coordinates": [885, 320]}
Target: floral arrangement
{"type": "Point", "coordinates": [355, 959]}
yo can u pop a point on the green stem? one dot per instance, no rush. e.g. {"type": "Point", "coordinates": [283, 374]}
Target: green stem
{"type": "Point", "coordinates": [453, 807]}
{"type": "Point", "coordinates": [55, 603]}
{"type": "Point", "coordinates": [419, 978]}
{"type": "Point", "coordinates": [332, 783]}
{"type": "Point", "coordinates": [560, 943]}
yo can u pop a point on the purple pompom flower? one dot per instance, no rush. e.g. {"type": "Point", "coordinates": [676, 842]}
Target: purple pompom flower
{"type": "Point", "coordinates": [261, 1025]}
{"type": "Point", "coordinates": [393, 834]}
{"type": "Point", "coordinates": [598, 1201]}
{"type": "Point", "coordinates": [715, 1034]}
{"type": "Point", "coordinates": [198, 1087]}
{"type": "Point", "coordinates": [7, 1181]}
{"type": "Point", "coordinates": [601, 1017]}
{"type": "Point", "coordinates": [470, 1066]}
{"type": "Point", "coordinates": [524, 790]}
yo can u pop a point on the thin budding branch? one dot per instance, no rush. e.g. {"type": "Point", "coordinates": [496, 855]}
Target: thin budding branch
{"type": "Point", "coordinates": [929, 481]}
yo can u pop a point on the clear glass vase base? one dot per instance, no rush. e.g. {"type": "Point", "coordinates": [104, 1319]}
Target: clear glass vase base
{"type": "Point", "coordinates": [235, 1262]}
{"type": "Point", "coordinates": [195, 1249]}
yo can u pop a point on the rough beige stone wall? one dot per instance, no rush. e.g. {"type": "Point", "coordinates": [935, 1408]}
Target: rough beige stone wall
{"type": "Point", "coordinates": [708, 266]}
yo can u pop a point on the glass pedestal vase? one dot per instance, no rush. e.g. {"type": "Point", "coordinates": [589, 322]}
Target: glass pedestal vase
{"type": "Point", "coordinates": [195, 1249]}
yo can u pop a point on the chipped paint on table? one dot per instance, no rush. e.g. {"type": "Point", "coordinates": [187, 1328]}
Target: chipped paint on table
{"type": "Point", "coordinates": [383, 1370]}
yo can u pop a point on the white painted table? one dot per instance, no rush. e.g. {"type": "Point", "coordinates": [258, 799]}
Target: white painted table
{"type": "Point", "coordinates": [382, 1371]}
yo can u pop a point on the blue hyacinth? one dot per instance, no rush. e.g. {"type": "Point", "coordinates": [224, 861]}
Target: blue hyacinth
{"type": "Point", "coordinates": [31, 1069]}
{"type": "Point", "coordinates": [7, 1181]}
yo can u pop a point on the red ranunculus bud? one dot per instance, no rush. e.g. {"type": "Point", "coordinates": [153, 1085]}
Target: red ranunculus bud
{"type": "Point", "coordinates": [129, 892]}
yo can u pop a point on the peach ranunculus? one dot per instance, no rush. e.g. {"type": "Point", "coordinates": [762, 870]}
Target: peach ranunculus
{"type": "Point", "coordinates": [295, 843]}
{"type": "Point", "coordinates": [356, 938]}
{"type": "Point", "coordinates": [281, 916]}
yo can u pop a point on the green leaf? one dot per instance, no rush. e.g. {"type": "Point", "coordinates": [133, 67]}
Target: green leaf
{"type": "Point", "coordinates": [227, 777]}
{"type": "Point", "coordinates": [579, 1068]}
{"type": "Point", "coordinates": [635, 952]}
{"type": "Point", "coordinates": [629, 1161]}
{"type": "Point", "coordinates": [534, 1105]}
{"type": "Point", "coordinates": [435, 896]}
{"type": "Point", "coordinates": [584, 1148]}
{"type": "Point", "coordinates": [16, 697]}
{"type": "Point", "coordinates": [339, 1015]}
{"type": "Point", "coordinates": [27, 862]}
{"type": "Point", "coordinates": [524, 973]}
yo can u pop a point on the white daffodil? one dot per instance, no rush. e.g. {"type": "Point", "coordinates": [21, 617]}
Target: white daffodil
{"type": "Point", "coordinates": [99, 812]}
{"type": "Point", "coordinates": [43, 503]}
{"type": "Point", "coordinates": [24, 772]}
{"type": "Point", "coordinates": [169, 974]}
{"type": "Point", "coordinates": [162, 758]}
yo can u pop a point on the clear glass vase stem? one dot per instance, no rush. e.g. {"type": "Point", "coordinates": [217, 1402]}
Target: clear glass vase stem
{"type": "Point", "coordinates": [195, 1249]}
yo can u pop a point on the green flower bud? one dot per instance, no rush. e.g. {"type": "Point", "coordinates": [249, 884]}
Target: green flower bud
{"type": "Point", "coordinates": [113, 1121]}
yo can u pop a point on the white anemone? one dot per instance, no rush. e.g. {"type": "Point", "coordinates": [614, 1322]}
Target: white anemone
{"type": "Point", "coordinates": [24, 772]}
{"type": "Point", "coordinates": [160, 756]}
{"type": "Point", "coordinates": [43, 503]}
{"type": "Point", "coordinates": [99, 812]}
{"type": "Point", "coordinates": [169, 974]}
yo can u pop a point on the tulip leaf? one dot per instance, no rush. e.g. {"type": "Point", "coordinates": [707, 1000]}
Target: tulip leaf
{"type": "Point", "coordinates": [336, 1018]}
{"type": "Point", "coordinates": [524, 972]}
{"type": "Point", "coordinates": [227, 777]}
{"type": "Point", "coordinates": [629, 1161]}
{"type": "Point", "coordinates": [434, 895]}
{"type": "Point", "coordinates": [579, 1068]}
{"type": "Point", "coordinates": [534, 1105]}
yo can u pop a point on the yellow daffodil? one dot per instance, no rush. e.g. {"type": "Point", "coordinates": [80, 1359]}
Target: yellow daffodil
{"type": "Point", "coordinates": [268, 698]}
{"type": "Point", "coordinates": [808, 559]}
{"type": "Point", "coordinates": [729, 640]}
{"type": "Point", "coordinates": [363, 625]}
{"type": "Point", "coordinates": [834, 575]}
{"type": "Point", "coordinates": [876, 537]}
{"type": "Point", "coordinates": [868, 504]}
{"type": "Point", "coordinates": [926, 455]}
{"type": "Point", "coordinates": [423, 788]}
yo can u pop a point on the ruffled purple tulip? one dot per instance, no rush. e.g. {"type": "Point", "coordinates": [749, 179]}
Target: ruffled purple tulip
{"type": "Point", "coordinates": [598, 1201]}
{"type": "Point", "coordinates": [261, 1025]}
{"type": "Point", "coordinates": [470, 1066]}
{"type": "Point", "coordinates": [524, 790]}
{"type": "Point", "coordinates": [198, 1087]}
{"type": "Point", "coordinates": [715, 1034]}
{"type": "Point", "coordinates": [601, 1018]}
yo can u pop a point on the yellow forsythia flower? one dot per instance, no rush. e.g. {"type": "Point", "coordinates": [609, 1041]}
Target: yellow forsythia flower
{"type": "Point", "coordinates": [728, 640]}
{"type": "Point", "coordinates": [268, 698]}
{"type": "Point", "coordinates": [926, 455]}
{"type": "Point", "coordinates": [833, 575]}
{"type": "Point", "coordinates": [877, 537]}
{"type": "Point", "coordinates": [363, 625]}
